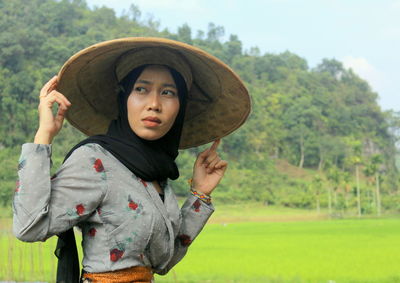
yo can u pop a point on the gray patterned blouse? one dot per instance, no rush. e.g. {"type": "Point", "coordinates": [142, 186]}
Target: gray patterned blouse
{"type": "Point", "coordinates": [123, 220]}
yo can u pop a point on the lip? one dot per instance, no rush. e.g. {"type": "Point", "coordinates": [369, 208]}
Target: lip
{"type": "Point", "coordinates": [151, 121]}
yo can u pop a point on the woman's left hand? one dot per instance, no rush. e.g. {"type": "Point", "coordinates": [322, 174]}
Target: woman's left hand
{"type": "Point", "coordinates": [208, 170]}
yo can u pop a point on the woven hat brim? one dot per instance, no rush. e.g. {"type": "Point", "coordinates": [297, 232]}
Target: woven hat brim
{"type": "Point", "coordinates": [218, 102]}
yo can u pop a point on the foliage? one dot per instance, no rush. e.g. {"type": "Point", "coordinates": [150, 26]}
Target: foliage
{"type": "Point", "coordinates": [316, 119]}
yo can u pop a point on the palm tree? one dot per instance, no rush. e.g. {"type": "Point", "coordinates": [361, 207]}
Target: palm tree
{"type": "Point", "coordinates": [372, 170]}
{"type": "Point", "coordinates": [317, 185]}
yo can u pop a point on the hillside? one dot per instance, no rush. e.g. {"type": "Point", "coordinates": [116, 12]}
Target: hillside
{"type": "Point", "coordinates": [318, 124]}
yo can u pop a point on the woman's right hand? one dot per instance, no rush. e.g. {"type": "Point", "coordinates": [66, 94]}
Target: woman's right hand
{"type": "Point", "coordinates": [50, 125]}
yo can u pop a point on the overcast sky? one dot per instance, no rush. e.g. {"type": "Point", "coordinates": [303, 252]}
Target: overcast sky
{"type": "Point", "coordinates": [363, 34]}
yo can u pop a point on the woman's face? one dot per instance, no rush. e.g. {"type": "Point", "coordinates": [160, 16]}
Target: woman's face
{"type": "Point", "coordinates": [153, 103]}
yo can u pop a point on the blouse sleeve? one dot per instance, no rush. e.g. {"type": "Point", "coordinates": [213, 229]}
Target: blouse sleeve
{"type": "Point", "coordinates": [44, 206]}
{"type": "Point", "coordinates": [195, 214]}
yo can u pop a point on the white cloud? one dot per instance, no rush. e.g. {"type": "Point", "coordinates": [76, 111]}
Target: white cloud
{"type": "Point", "coordinates": [366, 71]}
{"type": "Point", "coordinates": [383, 83]}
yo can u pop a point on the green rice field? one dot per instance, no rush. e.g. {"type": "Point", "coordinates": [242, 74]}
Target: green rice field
{"type": "Point", "coordinates": [253, 243]}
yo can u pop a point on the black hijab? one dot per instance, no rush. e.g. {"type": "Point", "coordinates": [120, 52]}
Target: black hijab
{"type": "Point", "coordinates": [148, 160]}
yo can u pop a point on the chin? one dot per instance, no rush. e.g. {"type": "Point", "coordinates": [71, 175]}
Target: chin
{"type": "Point", "coordinates": [150, 136]}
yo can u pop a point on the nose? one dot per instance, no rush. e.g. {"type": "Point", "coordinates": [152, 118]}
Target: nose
{"type": "Point", "coordinates": [154, 102]}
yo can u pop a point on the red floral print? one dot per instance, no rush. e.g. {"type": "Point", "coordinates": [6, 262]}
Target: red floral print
{"type": "Point", "coordinates": [98, 165]}
{"type": "Point", "coordinates": [99, 210]}
{"type": "Point", "coordinates": [185, 240]}
{"type": "Point", "coordinates": [133, 205]}
{"type": "Point", "coordinates": [92, 232]}
{"type": "Point", "coordinates": [116, 254]}
{"type": "Point", "coordinates": [80, 209]}
{"type": "Point", "coordinates": [196, 205]}
{"type": "Point", "coordinates": [17, 186]}
{"type": "Point", "coordinates": [144, 183]}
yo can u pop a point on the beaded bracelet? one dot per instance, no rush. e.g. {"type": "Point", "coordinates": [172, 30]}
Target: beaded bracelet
{"type": "Point", "coordinates": [203, 197]}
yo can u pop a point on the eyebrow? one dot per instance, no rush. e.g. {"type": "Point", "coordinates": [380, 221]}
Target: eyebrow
{"type": "Point", "coordinates": [149, 83]}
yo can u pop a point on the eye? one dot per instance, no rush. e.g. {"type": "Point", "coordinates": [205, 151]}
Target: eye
{"type": "Point", "coordinates": [169, 93]}
{"type": "Point", "coordinates": [140, 89]}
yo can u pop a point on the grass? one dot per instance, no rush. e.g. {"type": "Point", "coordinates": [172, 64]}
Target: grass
{"type": "Point", "coordinates": [287, 246]}
{"type": "Point", "coordinates": [319, 251]}
{"type": "Point", "coordinates": [26, 262]}
{"type": "Point", "coordinates": [257, 212]}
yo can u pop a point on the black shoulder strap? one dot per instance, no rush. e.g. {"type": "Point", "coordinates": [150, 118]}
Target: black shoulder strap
{"type": "Point", "coordinates": [68, 261]}
{"type": "Point", "coordinates": [67, 252]}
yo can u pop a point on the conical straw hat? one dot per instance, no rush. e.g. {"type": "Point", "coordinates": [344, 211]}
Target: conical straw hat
{"type": "Point", "coordinates": [218, 102]}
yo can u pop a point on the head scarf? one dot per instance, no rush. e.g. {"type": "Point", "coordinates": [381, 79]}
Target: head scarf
{"type": "Point", "coordinates": [148, 160]}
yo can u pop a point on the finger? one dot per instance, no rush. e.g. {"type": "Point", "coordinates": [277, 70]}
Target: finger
{"type": "Point", "coordinates": [50, 98]}
{"type": "Point", "coordinates": [201, 157]}
{"type": "Point", "coordinates": [219, 168]}
{"type": "Point", "coordinates": [215, 145]}
{"type": "Point", "coordinates": [49, 102]}
{"type": "Point", "coordinates": [60, 115]}
{"type": "Point", "coordinates": [52, 87]}
{"type": "Point", "coordinates": [51, 82]}
{"type": "Point", "coordinates": [222, 164]}
{"type": "Point", "coordinates": [62, 105]}
{"type": "Point", "coordinates": [56, 96]}
{"type": "Point", "coordinates": [60, 95]}
{"type": "Point", "coordinates": [45, 89]}
{"type": "Point", "coordinates": [212, 164]}
{"type": "Point", "coordinates": [210, 158]}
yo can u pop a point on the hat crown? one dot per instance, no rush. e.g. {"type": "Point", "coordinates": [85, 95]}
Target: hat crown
{"type": "Point", "coordinates": [153, 56]}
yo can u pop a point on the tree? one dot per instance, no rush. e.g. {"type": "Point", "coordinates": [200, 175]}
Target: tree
{"type": "Point", "coordinates": [373, 169]}
{"type": "Point", "coordinates": [334, 176]}
{"type": "Point", "coordinates": [317, 187]}
{"type": "Point", "coordinates": [233, 48]}
{"type": "Point", "coordinates": [135, 13]}
{"type": "Point", "coordinates": [347, 187]}
{"type": "Point", "coordinates": [214, 32]}
{"type": "Point", "coordinates": [355, 158]}
{"type": "Point", "coordinates": [302, 116]}
{"type": "Point", "coordinates": [299, 118]}
{"type": "Point", "coordinates": [332, 67]}
{"type": "Point", "coordinates": [185, 34]}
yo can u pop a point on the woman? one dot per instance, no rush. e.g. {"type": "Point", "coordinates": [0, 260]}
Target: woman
{"type": "Point", "coordinates": [139, 100]}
